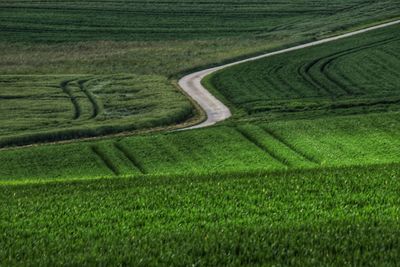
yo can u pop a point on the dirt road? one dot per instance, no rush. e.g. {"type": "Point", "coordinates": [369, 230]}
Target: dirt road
{"type": "Point", "coordinates": [216, 111]}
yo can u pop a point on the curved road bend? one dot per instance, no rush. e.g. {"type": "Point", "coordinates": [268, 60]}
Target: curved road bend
{"type": "Point", "coordinates": [216, 111]}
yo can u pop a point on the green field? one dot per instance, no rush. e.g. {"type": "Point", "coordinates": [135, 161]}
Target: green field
{"type": "Point", "coordinates": [150, 41]}
{"type": "Point", "coordinates": [124, 20]}
{"type": "Point", "coordinates": [329, 217]}
{"type": "Point", "coordinates": [248, 147]}
{"type": "Point", "coordinates": [50, 108]}
{"type": "Point", "coordinates": [305, 173]}
{"type": "Point", "coordinates": [351, 76]}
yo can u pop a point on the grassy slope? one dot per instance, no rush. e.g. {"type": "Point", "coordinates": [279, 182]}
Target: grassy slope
{"type": "Point", "coordinates": [88, 38]}
{"type": "Point", "coordinates": [356, 75]}
{"type": "Point", "coordinates": [232, 202]}
{"type": "Point", "coordinates": [60, 21]}
{"type": "Point", "coordinates": [77, 46]}
{"type": "Point", "coordinates": [298, 144]}
{"type": "Point", "coordinates": [51, 108]}
{"type": "Point", "coordinates": [332, 140]}
{"type": "Point", "coordinates": [330, 217]}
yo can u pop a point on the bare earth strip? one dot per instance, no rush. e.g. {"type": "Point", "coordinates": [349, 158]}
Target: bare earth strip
{"type": "Point", "coordinates": [215, 110]}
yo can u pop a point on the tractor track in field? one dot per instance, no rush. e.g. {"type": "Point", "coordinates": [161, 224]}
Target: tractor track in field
{"type": "Point", "coordinates": [77, 113]}
{"type": "Point", "coordinates": [91, 98]}
{"type": "Point", "coordinates": [215, 110]}
{"type": "Point", "coordinates": [324, 62]}
{"type": "Point", "coordinates": [77, 109]}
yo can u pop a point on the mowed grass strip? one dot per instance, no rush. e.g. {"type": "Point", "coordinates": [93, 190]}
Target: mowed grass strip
{"type": "Point", "coordinates": [331, 217]}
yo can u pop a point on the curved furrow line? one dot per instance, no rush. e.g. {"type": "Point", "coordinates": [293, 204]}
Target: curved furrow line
{"type": "Point", "coordinates": [270, 152]}
{"type": "Point", "coordinates": [290, 146]}
{"type": "Point", "coordinates": [392, 66]}
{"type": "Point", "coordinates": [77, 109]}
{"type": "Point", "coordinates": [332, 58]}
{"type": "Point", "coordinates": [132, 159]}
{"type": "Point", "coordinates": [325, 61]}
{"type": "Point", "coordinates": [92, 99]}
{"type": "Point", "coordinates": [274, 84]}
{"type": "Point", "coordinates": [304, 72]}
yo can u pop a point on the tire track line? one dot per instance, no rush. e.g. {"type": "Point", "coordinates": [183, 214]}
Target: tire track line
{"type": "Point", "coordinates": [77, 109]}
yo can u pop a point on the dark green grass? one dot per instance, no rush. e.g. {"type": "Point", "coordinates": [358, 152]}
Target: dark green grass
{"type": "Point", "coordinates": [355, 75]}
{"type": "Point", "coordinates": [329, 217]}
{"type": "Point", "coordinates": [164, 38]}
{"type": "Point", "coordinates": [57, 21]}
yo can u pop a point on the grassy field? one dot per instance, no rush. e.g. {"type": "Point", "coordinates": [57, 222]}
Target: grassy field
{"type": "Point", "coordinates": [247, 147]}
{"type": "Point", "coordinates": [356, 75]}
{"type": "Point", "coordinates": [79, 44]}
{"type": "Point", "coordinates": [329, 217]}
{"type": "Point", "coordinates": [124, 20]}
{"type": "Point", "coordinates": [149, 41]}
{"type": "Point", "coordinates": [50, 108]}
{"type": "Point", "coordinates": [332, 111]}
{"type": "Point", "coordinates": [305, 174]}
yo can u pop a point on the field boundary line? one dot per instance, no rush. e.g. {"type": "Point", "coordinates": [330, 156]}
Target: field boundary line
{"type": "Point", "coordinates": [153, 179]}
{"type": "Point", "coordinates": [215, 110]}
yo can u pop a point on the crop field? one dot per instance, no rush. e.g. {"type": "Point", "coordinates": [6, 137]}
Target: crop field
{"type": "Point", "coordinates": [51, 108]}
{"type": "Point", "coordinates": [330, 217]}
{"type": "Point", "coordinates": [164, 37]}
{"type": "Point", "coordinates": [56, 20]}
{"type": "Point", "coordinates": [54, 48]}
{"type": "Point", "coordinates": [305, 173]}
{"type": "Point", "coordinates": [248, 147]}
{"type": "Point", "coordinates": [356, 75]}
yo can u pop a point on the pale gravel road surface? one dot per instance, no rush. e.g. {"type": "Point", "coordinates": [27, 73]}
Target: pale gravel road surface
{"type": "Point", "coordinates": [215, 110]}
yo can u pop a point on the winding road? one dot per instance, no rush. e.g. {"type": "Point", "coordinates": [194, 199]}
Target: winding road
{"type": "Point", "coordinates": [215, 110]}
